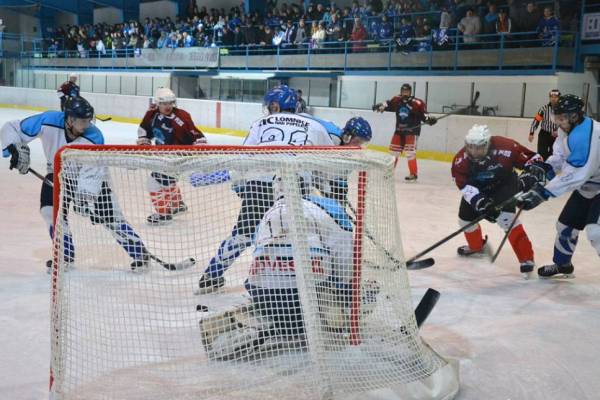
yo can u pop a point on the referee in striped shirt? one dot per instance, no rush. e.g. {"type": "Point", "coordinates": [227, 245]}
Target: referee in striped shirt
{"type": "Point", "coordinates": [548, 130]}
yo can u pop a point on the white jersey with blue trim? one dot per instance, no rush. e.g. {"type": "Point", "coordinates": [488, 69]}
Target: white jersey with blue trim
{"type": "Point", "coordinates": [334, 131]}
{"type": "Point", "coordinates": [287, 129]}
{"type": "Point", "coordinates": [329, 237]}
{"type": "Point", "coordinates": [576, 160]}
{"type": "Point", "coordinates": [49, 126]}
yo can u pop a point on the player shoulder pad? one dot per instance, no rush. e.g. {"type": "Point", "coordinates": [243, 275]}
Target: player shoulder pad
{"type": "Point", "coordinates": [334, 209]}
{"type": "Point", "coordinates": [579, 142]}
{"type": "Point", "coordinates": [31, 126]}
{"type": "Point", "coordinates": [329, 126]}
{"type": "Point", "coordinates": [94, 135]}
{"type": "Point", "coordinates": [182, 114]}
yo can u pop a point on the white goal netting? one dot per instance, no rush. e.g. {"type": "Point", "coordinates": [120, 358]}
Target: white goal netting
{"type": "Point", "coordinates": [233, 273]}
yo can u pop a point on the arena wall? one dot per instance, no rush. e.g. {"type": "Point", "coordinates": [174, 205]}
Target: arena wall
{"type": "Point", "coordinates": [437, 142]}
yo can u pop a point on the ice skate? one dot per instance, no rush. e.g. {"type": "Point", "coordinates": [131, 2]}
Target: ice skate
{"type": "Point", "coordinates": [556, 271]}
{"type": "Point", "coordinates": [466, 251]}
{"type": "Point", "coordinates": [527, 269]}
{"type": "Point", "coordinates": [159, 219]}
{"type": "Point", "coordinates": [411, 178]}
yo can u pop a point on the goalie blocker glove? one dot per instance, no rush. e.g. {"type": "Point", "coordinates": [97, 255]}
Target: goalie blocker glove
{"type": "Point", "coordinates": [19, 157]}
{"type": "Point", "coordinates": [485, 206]}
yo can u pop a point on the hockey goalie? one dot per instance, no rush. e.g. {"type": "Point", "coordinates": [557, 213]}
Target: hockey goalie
{"type": "Point", "coordinates": [273, 321]}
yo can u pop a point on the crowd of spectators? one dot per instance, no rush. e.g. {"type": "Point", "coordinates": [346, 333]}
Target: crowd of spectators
{"type": "Point", "coordinates": [406, 24]}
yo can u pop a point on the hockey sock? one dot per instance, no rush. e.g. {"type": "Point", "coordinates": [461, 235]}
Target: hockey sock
{"type": "Point", "coordinates": [565, 243]}
{"type": "Point", "coordinates": [412, 166]}
{"type": "Point", "coordinates": [128, 240]}
{"type": "Point", "coordinates": [520, 243]}
{"type": "Point", "coordinates": [475, 239]}
{"type": "Point", "coordinates": [228, 252]}
{"type": "Point", "coordinates": [166, 199]}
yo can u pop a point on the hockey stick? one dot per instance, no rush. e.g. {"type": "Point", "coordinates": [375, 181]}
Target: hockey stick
{"type": "Point", "coordinates": [104, 119]}
{"type": "Point", "coordinates": [512, 224]}
{"type": "Point", "coordinates": [412, 265]}
{"type": "Point", "coordinates": [426, 305]}
{"type": "Point", "coordinates": [178, 266]}
{"type": "Point", "coordinates": [462, 229]}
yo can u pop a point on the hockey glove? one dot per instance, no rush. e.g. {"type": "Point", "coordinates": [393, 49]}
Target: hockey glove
{"type": "Point", "coordinates": [533, 198]}
{"type": "Point", "coordinates": [379, 107]}
{"type": "Point", "coordinates": [431, 121]}
{"type": "Point", "coordinates": [19, 157]}
{"type": "Point", "coordinates": [538, 172]}
{"type": "Point", "coordinates": [485, 206]}
{"type": "Point", "coordinates": [144, 141]}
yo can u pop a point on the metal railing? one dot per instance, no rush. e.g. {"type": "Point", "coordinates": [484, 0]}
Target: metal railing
{"type": "Point", "coordinates": [498, 52]}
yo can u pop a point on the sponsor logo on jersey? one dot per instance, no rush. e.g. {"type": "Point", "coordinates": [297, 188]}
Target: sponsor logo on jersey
{"type": "Point", "coordinates": [285, 120]}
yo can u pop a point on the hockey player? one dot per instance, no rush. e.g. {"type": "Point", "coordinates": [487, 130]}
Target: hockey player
{"type": "Point", "coordinates": [576, 158]}
{"type": "Point", "coordinates": [274, 318]}
{"type": "Point", "coordinates": [548, 130]}
{"type": "Point", "coordinates": [167, 124]}
{"type": "Point", "coordinates": [410, 113]}
{"type": "Point", "coordinates": [281, 127]}
{"type": "Point", "coordinates": [484, 172]}
{"type": "Point", "coordinates": [68, 90]}
{"type": "Point", "coordinates": [90, 193]}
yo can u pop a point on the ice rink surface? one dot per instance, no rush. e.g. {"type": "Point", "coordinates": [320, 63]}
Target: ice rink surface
{"type": "Point", "coordinates": [514, 339]}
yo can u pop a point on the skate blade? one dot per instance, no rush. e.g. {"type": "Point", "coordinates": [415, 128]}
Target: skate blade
{"type": "Point", "coordinates": [159, 223]}
{"type": "Point", "coordinates": [559, 276]}
{"type": "Point", "coordinates": [527, 275]}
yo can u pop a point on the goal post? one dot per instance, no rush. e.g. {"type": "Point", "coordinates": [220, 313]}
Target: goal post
{"type": "Point", "coordinates": [304, 305]}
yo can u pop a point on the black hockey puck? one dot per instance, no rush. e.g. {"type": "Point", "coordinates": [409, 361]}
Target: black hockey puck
{"type": "Point", "coordinates": [201, 307]}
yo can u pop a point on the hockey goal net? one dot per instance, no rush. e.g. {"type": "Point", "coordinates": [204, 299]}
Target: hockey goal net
{"type": "Point", "coordinates": [308, 301]}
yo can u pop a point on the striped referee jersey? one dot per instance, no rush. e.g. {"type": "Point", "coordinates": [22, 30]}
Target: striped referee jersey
{"type": "Point", "coordinates": [545, 117]}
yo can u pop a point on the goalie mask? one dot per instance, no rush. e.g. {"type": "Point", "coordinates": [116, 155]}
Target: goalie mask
{"type": "Point", "coordinates": [477, 142]}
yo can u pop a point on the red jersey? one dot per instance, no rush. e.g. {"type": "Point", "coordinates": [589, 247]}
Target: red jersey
{"type": "Point", "coordinates": [410, 112]}
{"type": "Point", "coordinates": [493, 170]}
{"type": "Point", "coordinates": [177, 128]}
{"type": "Point", "coordinates": [68, 89]}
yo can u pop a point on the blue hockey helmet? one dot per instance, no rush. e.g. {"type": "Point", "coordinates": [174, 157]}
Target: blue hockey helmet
{"type": "Point", "coordinates": [284, 96]}
{"type": "Point", "coordinates": [78, 107]}
{"type": "Point", "coordinates": [357, 127]}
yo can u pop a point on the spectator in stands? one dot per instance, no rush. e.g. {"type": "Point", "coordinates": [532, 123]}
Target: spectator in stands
{"type": "Point", "coordinates": [359, 34]}
{"type": "Point", "coordinates": [278, 36]}
{"type": "Point", "coordinates": [100, 47]}
{"type": "Point", "coordinates": [470, 26]}
{"type": "Point", "coordinates": [405, 37]}
{"type": "Point", "coordinates": [385, 33]}
{"type": "Point", "coordinates": [418, 26]}
{"type": "Point", "coordinates": [504, 24]}
{"type": "Point", "coordinates": [267, 37]}
{"type": "Point", "coordinates": [318, 36]}
{"type": "Point", "coordinates": [238, 36]}
{"type": "Point", "coordinates": [334, 31]}
{"type": "Point", "coordinates": [529, 21]}
{"type": "Point", "coordinates": [289, 35]}
{"type": "Point", "coordinates": [188, 40]}
{"type": "Point", "coordinates": [227, 39]}
{"type": "Point", "coordinates": [445, 18]}
{"type": "Point", "coordinates": [490, 19]}
{"type": "Point", "coordinates": [301, 37]}
{"type": "Point", "coordinates": [548, 28]}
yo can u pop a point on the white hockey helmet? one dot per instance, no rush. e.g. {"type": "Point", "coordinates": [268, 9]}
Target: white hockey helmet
{"type": "Point", "coordinates": [164, 95]}
{"type": "Point", "coordinates": [72, 76]}
{"type": "Point", "coordinates": [477, 141]}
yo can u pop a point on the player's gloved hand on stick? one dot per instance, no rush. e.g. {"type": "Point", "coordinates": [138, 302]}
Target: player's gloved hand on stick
{"type": "Point", "coordinates": [538, 172]}
{"type": "Point", "coordinates": [379, 107]}
{"type": "Point", "coordinates": [431, 121]}
{"type": "Point", "coordinates": [144, 141]}
{"type": "Point", "coordinates": [533, 198]}
{"type": "Point", "coordinates": [19, 157]}
{"type": "Point", "coordinates": [200, 141]}
{"type": "Point", "coordinates": [485, 206]}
